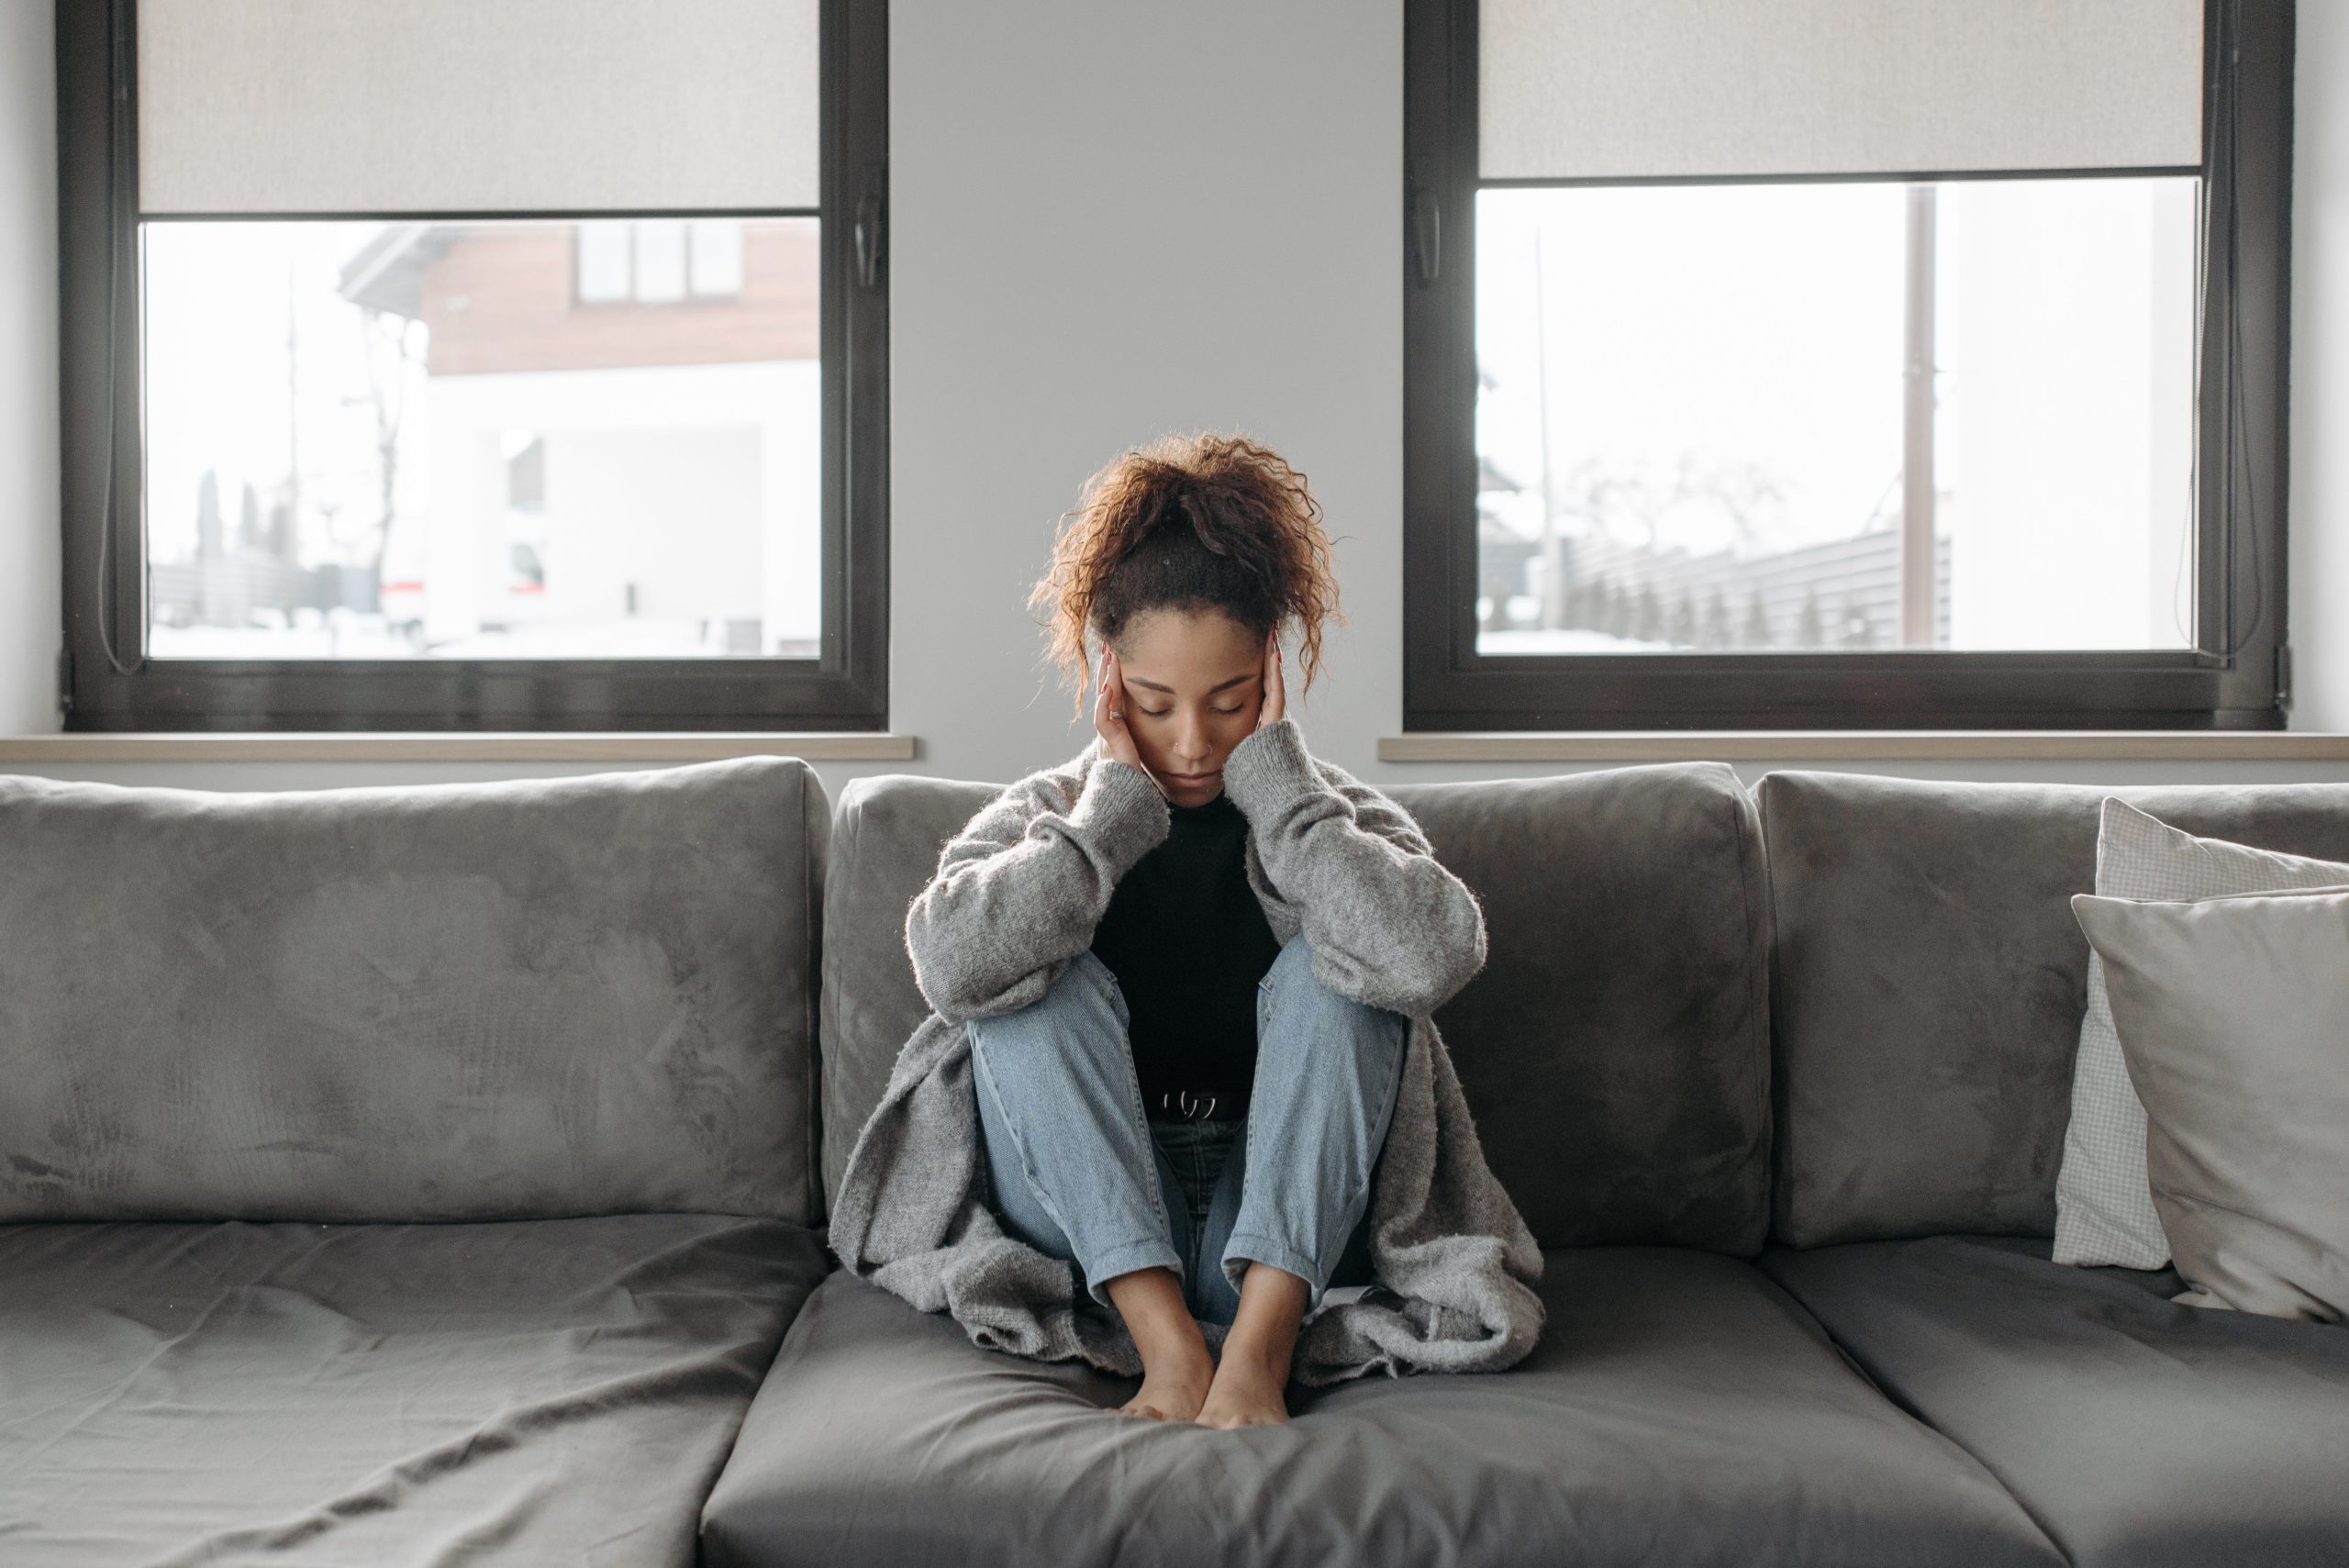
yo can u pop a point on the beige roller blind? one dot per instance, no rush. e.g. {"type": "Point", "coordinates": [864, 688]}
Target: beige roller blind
{"type": "Point", "coordinates": [475, 106]}
{"type": "Point", "coordinates": [1612, 89]}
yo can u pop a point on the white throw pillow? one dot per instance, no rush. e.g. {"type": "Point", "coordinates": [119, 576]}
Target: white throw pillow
{"type": "Point", "coordinates": [2104, 1207]}
{"type": "Point", "coordinates": [2231, 1013]}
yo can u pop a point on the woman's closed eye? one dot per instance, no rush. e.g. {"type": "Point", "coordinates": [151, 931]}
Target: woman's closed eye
{"type": "Point", "coordinates": [1163, 712]}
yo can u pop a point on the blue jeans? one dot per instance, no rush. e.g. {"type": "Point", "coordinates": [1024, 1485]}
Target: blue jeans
{"type": "Point", "coordinates": [1081, 1172]}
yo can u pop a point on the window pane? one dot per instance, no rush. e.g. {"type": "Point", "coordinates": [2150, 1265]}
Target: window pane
{"type": "Point", "coordinates": [1718, 373]}
{"type": "Point", "coordinates": [602, 260]}
{"type": "Point", "coordinates": [717, 246]}
{"type": "Point", "coordinates": [660, 259]}
{"type": "Point", "coordinates": [373, 440]}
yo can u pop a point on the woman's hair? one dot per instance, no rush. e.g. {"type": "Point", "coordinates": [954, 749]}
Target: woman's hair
{"type": "Point", "coordinates": [1188, 523]}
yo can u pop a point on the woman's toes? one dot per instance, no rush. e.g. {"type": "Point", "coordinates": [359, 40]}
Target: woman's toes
{"type": "Point", "coordinates": [1244, 1395]}
{"type": "Point", "coordinates": [1174, 1394]}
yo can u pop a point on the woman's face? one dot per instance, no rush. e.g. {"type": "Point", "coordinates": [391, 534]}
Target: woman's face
{"type": "Point", "coordinates": [1194, 684]}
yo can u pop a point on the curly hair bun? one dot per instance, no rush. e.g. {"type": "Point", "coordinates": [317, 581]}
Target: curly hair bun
{"type": "Point", "coordinates": [1188, 523]}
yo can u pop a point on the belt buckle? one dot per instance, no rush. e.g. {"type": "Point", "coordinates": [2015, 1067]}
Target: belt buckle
{"type": "Point", "coordinates": [1193, 1108]}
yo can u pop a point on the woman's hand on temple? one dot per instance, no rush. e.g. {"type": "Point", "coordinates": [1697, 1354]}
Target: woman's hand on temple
{"type": "Point", "coordinates": [1275, 698]}
{"type": "Point", "coordinates": [1109, 714]}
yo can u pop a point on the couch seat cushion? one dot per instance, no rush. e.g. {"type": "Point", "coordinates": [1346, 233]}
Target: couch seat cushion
{"type": "Point", "coordinates": [2136, 1430]}
{"type": "Point", "coordinates": [518, 1392]}
{"type": "Point", "coordinates": [1679, 1409]}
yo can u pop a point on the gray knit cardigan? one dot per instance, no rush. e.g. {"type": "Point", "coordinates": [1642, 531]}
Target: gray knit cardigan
{"type": "Point", "coordinates": [1016, 897]}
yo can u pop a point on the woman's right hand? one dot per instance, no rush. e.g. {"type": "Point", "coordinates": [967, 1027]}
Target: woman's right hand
{"type": "Point", "coordinates": [1109, 714]}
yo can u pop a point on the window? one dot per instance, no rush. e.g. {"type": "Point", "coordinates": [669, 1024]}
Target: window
{"type": "Point", "coordinates": [714, 245]}
{"type": "Point", "coordinates": [439, 404]}
{"type": "Point", "coordinates": [617, 260]}
{"type": "Point", "coordinates": [605, 249]}
{"type": "Point", "coordinates": [1833, 365]}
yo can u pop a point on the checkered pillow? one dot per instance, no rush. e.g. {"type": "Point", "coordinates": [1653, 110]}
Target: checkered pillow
{"type": "Point", "coordinates": [2104, 1210]}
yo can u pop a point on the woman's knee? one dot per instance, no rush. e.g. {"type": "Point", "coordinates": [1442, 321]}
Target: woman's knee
{"type": "Point", "coordinates": [1296, 957]}
{"type": "Point", "coordinates": [1083, 985]}
{"type": "Point", "coordinates": [1083, 997]}
{"type": "Point", "coordinates": [1293, 970]}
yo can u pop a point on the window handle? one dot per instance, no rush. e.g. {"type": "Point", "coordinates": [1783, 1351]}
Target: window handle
{"type": "Point", "coordinates": [1427, 232]}
{"type": "Point", "coordinates": [868, 232]}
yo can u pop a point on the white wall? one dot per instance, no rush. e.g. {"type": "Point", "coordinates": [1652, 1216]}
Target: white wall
{"type": "Point", "coordinates": [1112, 221]}
{"type": "Point", "coordinates": [2320, 436]}
{"type": "Point", "coordinates": [31, 547]}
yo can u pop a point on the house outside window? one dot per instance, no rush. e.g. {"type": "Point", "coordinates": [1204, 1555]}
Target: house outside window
{"type": "Point", "coordinates": [543, 424]}
{"type": "Point", "coordinates": [658, 259]}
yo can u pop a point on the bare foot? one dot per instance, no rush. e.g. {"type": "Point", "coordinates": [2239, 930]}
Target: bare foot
{"type": "Point", "coordinates": [1173, 1385]}
{"type": "Point", "coordinates": [1247, 1391]}
{"type": "Point", "coordinates": [1175, 1365]}
{"type": "Point", "coordinates": [1254, 1371]}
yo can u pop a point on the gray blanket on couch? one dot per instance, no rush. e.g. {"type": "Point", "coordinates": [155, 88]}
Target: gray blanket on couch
{"type": "Point", "coordinates": [1017, 896]}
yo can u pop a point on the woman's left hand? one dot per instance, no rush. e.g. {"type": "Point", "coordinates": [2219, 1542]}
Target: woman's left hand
{"type": "Point", "coordinates": [1276, 701]}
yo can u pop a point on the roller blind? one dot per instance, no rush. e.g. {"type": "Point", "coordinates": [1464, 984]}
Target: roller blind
{"type": "Point", "coordinates": [1612, 89]}
{"type": "Point", "coordinates": [369, 106]}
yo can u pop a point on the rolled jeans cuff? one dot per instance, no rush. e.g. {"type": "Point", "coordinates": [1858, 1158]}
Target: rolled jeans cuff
{"type": "Point", "coordinates": [1149, 1253]}
{"type": "Point", "coordinates": [1263, 1248]}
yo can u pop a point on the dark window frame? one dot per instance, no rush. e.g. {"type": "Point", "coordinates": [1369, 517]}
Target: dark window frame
{"type": "Point", "coordinates": [844, 688]}
{"type": "Point", "coordinates": [2241, 467]}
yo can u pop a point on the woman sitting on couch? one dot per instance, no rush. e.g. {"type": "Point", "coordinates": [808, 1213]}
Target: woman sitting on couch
{"type": "Point", "coordinates": [1189, 966]}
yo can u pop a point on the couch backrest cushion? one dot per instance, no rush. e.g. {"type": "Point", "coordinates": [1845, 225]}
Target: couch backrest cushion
{"type": "Point", "coordinates": [1613, 1051]}
{"type": "Point", "coordinates": [1930, 979]}
{"type": "Point", "coordinates": [517, 999]}
{"type": "Point", "coordinates": [1616, 1047]}
{"type": "Point", "coordinates": [887, 832]}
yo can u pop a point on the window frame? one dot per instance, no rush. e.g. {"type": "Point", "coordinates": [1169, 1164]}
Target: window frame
{"type": "Point", "coordinates": [844, 688]}
{"type": "Point", "coordinates": [2240, 523]}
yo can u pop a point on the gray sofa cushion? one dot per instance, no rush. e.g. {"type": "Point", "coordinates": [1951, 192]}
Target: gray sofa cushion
{"type": "Point", "coordinates": [1616, 1047]}
{"type": "Point", "coordinates": [1929, 982]}
{"type": "Point", "coordinates": [506, 1000]}
{"type": "Point", "coordinates": [379, 1396]}
{"type": "Point", "coordinates": [1680, 1410]}
{"type": "Point", "coordinates": [887, 833]}
{"type": "Point", "coordinates": [1614, 1051]}
{"type": "Point", "coordinates": [2140, 1433]}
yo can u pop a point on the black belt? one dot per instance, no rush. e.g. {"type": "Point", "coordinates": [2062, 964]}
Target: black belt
{"type": "Point", "coordinates": [1200, 1105]}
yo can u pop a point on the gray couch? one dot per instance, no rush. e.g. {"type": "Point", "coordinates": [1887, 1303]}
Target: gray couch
{"type": "Point", "coordinates": [432, 1174]}
{"type": "Point", "coordinates": [398, 1175]}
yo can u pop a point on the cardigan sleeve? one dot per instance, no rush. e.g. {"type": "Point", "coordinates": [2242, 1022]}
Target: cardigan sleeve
{"type": "Point", "coordinates": [1389, 923]}
{"type": "Point", "coordinates": [1019, 890]}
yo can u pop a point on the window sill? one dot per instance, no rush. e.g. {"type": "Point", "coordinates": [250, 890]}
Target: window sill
{"type": "Point", "coordinates": [453, 746]}
{"type": "Point", "coordinates": [1863, 745]}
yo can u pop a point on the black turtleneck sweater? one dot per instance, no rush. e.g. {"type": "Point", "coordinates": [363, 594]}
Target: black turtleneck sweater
{"type": "Point", "coordinates": [1188, 942]}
